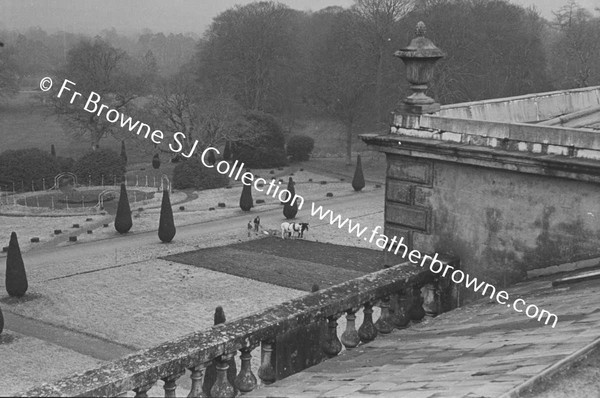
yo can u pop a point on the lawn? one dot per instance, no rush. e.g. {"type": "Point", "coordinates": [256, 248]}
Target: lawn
{"type": "Point", "coordinates": [25, 122]}
{"type": "Point", "coordinates": [291, 263]}
{"type": "Point", "coordinates": [26, 361]}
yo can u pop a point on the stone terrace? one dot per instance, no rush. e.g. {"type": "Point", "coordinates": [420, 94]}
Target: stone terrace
{"type": "Point", "coordinates": [480, 350]}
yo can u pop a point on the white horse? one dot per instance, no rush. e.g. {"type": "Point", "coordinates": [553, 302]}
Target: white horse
{"type": "Point", "coordinates": [294, 227]}
{"type": "Point", "coordinates": [289, 228]}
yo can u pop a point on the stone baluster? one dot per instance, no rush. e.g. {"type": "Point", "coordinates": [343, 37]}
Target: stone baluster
{"type": "Point", "coordinates": [197, 376]}
{"type": "Point", "coordinates": [210, 374]}
{"type": "Point", "coordinates": [401, 319]}
{"type": "Point", "coordinates": [222, 387]}
{"type": "Point", "coordinates": [384, 323]}
{"type": "Point", "coordinates": [266, 371]}
{"type": "Point", "coordinates": [245, 380]}
{"type": "Point", "coordinates": [350, 337]}
{"type": "Point", "coordinates": [170, 385]}
{"type": "Point", "coordinates": [142, 392]}
{"type": "Point", "coordinates": [331, 343]}
{"type": "Point", "coordinates": [431, 302]}
{"type": "Point", "coordinates": [416, 311]}
{"type": "Point", "coordinates": [367, 331]}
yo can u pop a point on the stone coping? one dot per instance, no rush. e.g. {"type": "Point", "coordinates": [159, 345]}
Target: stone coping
{"type": "Point", "coordinates": [525, 108]}
{"type": "Point", "coordinates": [517, 137]}
{"type": "Point", "coordinates": [196, 349]}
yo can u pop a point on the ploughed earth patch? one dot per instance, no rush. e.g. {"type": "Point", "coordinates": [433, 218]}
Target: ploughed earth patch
{"type": "Point", "coordinates": [292, 263]}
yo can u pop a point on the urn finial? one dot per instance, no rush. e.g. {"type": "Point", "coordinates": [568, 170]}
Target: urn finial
{"type": "Point", "coordinates": [419, 57]}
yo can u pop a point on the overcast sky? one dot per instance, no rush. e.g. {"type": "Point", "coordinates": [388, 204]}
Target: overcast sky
{"type": "Point", "coordinates": [131, 16]}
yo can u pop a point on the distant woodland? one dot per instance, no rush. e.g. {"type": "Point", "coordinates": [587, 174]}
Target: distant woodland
{"type": "Point", "coordinates": [337, 62]}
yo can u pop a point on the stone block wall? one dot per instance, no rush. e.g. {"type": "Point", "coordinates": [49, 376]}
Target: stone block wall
{"type": "Point", "coordinates": [409, 183]}
{"type": "Point", "coordinates": [501, 224]}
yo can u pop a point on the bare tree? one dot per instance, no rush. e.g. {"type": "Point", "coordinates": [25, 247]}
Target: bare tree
{"type": "Point", "coordinates": [378, 20]}
{"type": "Point", "coordinates": [8, 71]}
{"type": "Point", "coordinates": [577, 48]}
{"type": "Point", "coordinates": [244, 51]}
{"type": "Point", "coordinates": [339, 80]}
{"type": "Point", "coordinates": [182, 106]}
{"type": "Point", "coordinates": [96, 66]}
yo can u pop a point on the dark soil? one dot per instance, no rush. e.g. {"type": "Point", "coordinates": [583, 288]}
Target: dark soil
{"type": "Point", "coordinates": [292, 263]}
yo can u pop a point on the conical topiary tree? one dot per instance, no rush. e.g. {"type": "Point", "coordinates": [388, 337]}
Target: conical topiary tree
{"type": "Point", "coordinates": [123, 152]}
{"type": "Point", "coordinates": [358, 182]}
{"type": "Point", "coordinates": [156, 161]}
{"type": "Point", "coordinates": [290, 208]}
{"type": "Point", "coordinates": [166, 225]}
{"type": "Point", "coordinates": [290, 188]}
{"type": "Point", "coordinates": [210, 374]}
{"type": "Point", "coordinates": [227, 150]}
{"type": "Point", "coordinates": [16, 278]}
{"type": "Point", "coordinates": [246, 198]}
{"type": "Point", "coordinates": [123, 221]}
{"type": "Point", "coordinates": [52, 150]}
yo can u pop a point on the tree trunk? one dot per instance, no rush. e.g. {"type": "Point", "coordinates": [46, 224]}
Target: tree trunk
{"type": "Point", "coordinates": [95, 141]}
{"type": "Point", "coordinates": [378, 85]}
{"type": "Point", "coordinates": [349, 133]}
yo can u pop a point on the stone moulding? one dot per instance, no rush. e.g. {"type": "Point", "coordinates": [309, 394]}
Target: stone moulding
{"type": "Point", "coordinates": [523, 132]}
{"type": "Point", "coordinates": [173, 357]}
{"type": "Point", "coordinates": [580, 169]}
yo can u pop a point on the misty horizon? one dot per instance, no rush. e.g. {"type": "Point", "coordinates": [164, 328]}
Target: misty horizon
{"type": "Point", "coordinates": [178, 16]}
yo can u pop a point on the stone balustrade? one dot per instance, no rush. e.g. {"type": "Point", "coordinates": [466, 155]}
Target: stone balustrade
{"type": "Point", "coordinates": [213, 350]}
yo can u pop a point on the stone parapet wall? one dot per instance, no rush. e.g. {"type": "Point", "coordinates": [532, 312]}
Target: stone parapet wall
{"type": "Point", "coordinates": [504, 225]}
{"type": "Point", "coordinates": [525, 108]}
{"type": "Point", "coordinates": [518, 137]}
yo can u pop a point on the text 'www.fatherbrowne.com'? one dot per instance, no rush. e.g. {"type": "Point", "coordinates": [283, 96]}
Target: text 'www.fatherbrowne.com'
{"type": "Point", "coordinates": [397, 246]}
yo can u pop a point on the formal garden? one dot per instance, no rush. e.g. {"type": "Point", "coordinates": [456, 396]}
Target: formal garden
{"type": "Point", "coordinates": [188, 194]}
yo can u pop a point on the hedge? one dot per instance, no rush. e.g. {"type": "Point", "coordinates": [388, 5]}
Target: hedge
{"type": "Point", "coordinates": [191, 173]}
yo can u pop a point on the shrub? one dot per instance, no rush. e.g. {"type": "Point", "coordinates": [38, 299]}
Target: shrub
{"type": "Point", "coordinates": [65, 164]}
{"type": "Point", "coordinates": [261, 158]}
{"type": "Point", "coordinates": [16, 278]}
{"type": "Point", "coordinates": [246, 201]}
{"type": "Point", "coordinates": [166, 225]}
{"type": "Point", "coordinates": [264, 146]}
{"type": "Point", "coordinates": [358, 182]}
{"type": "Point", "coordinates": [24, 166]}
{"type": "Point", "coordinates": [299, 147]}
{"type": "Point", "coordinates": [123, 221]}
{"type": "Point", "coordinates": [227, 151]}
{"type": "Point", "coordinates": [211, 159]}
{"type": "Point", "coordinates": [156, 161]}
{"type": "Point", "coordinates": [191, 173]}
{"type": "Point", "coordinates": [98, 163]}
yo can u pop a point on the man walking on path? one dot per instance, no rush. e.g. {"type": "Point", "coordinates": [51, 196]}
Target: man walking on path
{"type": "Point", "coordinates": [256, 223]}
{"type": "Point", "coordinates": [249, 227]}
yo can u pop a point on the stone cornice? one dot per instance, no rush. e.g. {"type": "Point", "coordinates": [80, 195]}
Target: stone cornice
{"type": "Point", "coordinates": [524, 162]}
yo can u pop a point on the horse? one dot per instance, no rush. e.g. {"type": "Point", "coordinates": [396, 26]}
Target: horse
{"type": "Point", "coordinates": [303, 227]}
{"type": "Point", "coordinates": [291, 228]}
